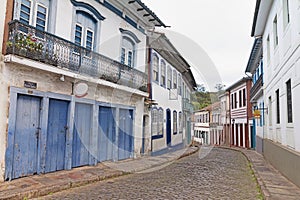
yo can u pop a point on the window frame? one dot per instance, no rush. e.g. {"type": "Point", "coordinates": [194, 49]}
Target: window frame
{"type": "Point", "coordinates": [155, 72]}
{"type": "Point", "coordinates": [275, 31]}
{"type": "Point", "coordinates": [175, 123]}
{"type": "Point", "coordinates": [163, 65]}
{"type": "Point", "coordinates": [169, 77]}
{"type": "Point", "coordinates": [46, 16]}
{"type": "Point", "coordinates": [277, 106]}
{"type": "Point", "coordinates": [289, 101]}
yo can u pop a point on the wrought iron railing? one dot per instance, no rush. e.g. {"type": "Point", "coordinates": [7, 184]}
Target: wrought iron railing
{"type": "Point", "coordinates": [27, 41]}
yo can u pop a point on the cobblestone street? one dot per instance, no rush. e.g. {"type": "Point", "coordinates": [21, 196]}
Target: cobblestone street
{"type": "Point", "coordinates": [222, 174]}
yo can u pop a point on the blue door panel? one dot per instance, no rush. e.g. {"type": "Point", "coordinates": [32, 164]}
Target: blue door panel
{"type": "Point", "coordinates": [125, 139]}
{"type": "Point", "coordinates": [168, 126]}
{"type": "Point", "coordinates": [107, 133]}
{"type": "Point", "coordinates": [56, 135]}
{"type": "Point", "coordinates": [25, 152]}
{"type": "Point", "coordinates": [81, 134]}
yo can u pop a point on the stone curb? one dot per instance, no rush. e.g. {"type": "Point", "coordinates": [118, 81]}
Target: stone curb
{"type": "Point", "coordinates": [77, 183]}
{"type": "Point", "coordinates": [259, 181]}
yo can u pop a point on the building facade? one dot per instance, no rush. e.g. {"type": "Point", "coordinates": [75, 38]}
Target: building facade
{"type": "Point", "coordinates": [201, 126]}
{"type": "Point", "coordinates": [277, 23]}
{"type": "Point", "coordinates": [73, 90]}
{"type": "Point", "coordinates": [241, 114]}
{"type": "Point", "coordinates": [225, 117]}
{"type": "Point", "coordinates": [255, 68]}
{"type": "Point", "coordinates": [171, 85]}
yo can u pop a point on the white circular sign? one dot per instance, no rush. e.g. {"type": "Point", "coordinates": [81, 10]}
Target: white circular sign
{"type": "Point", "coordinates": [81, 89]}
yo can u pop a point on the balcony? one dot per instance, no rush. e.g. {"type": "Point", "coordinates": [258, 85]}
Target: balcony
{"type": "Point", "coordinates": [29, 42]}
{"type": "Point", "coordinates": [256, 88]}
{"type": "Point", "coordinates": [187, 106]}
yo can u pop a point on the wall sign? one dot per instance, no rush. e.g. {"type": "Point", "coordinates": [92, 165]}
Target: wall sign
{"type": "Point", "coordinates": [30, 85]}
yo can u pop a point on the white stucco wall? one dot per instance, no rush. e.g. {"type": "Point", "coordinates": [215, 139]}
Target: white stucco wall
{"type": "Point", "coordinates": [283, 65]}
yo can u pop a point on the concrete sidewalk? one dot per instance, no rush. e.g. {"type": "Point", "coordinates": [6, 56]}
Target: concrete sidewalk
{"type": "Point", "coordinates": [40, 185]}
{"type": "Point", "coordinates": [272, 183]}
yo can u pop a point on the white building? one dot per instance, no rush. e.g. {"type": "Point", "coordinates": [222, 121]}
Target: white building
{"type": "Point", "coordinates": [73, 83]}
{"type": "Point", "coordinates": [278, 23]}
{"type": "Point", "coordinates": [225, 117]}
{"type": "Point", "coordinates": [201, 126]}
{"type": "Point", "coordinates": [171, 83]}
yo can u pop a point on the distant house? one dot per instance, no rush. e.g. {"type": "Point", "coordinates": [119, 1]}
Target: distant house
{"type": "Point", "coordinates": [207, 129]}
{"type": "Point", "coordinates": [277, 23]}
{"type": "Point", "coordinates": [171, 84]}
{"type": "Point", "coordinates": [241, 114]}
{"type": "Point", "coordinates": [225, 117]}
{"type": "Point", "coordinates": [73, 83]}
{"type": "Point", "coordinates": [255, 68]}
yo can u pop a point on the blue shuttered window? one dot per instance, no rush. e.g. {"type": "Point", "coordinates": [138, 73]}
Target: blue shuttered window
{"type": "Point", "coordinates": [41, 17]}
{"type": "Point", "coordinates": [78, 34]}
{"type": "Point", "coordinates": [25, 11]}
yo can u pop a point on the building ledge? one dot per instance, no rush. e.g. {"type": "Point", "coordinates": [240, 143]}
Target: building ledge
{"type": "Point", "coordinates": [63, 71]}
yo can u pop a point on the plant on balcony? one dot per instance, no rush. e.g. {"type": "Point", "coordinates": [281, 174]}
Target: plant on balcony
{"type": "Point", "coordinates": [25, 44]}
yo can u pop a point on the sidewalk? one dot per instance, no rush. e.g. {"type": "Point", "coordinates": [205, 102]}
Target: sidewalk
{"type": "Point", "coordinates": [39, 185]}
{"type": "Point", "coordinates": [273, 184]}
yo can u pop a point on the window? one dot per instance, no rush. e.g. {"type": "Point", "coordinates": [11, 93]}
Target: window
{"type": "Point", "coordinates": [161, 122]}
{"type": "Point", "coordinates": [169, 81]}
{"type": "Point", "coordinates": [179, 85]}
{"type": "Point", "coordinates": [127, 51]}
{"type": "Point", "coordinates": [289, 101]}
{"type": "Point", "coordinates": [85, 28]}
{"type": "Point", "coordinates": [286, 13]}
{"type": "Point", "coordinates": [244, 97]}
{"type": "Point", "coordinates": [35, 13]}
{"type": "Point", "coordinates": [268, 48]}
{"type": "Point", "coordinates": [154, 120]}
{"type": "Point", "coordinates": [270, 111]}
{"type": "Point", "coordinates": [163, 74]}
{"type": "Point", "coordinates": [174, 79]}
{"type": "Point", "coordinates": [275, 32]}
{"type": "Point", "coordinates": [240, 98]}
{"type": "Point", "coordinates": [277, 107]}
{"type": "Point", "coordinates": [232, 101]}
{"type": "Point", "coordinates": [174, 122]}
{"type": "Point", "coordinates": [123, 56]}
{"type": "Point", "coordinates": [180, 122]}
{"type": "Point", "coordinates": [235, 100]}
{"type": "Point", "coordinates": [41, 17]}
{"type": "Point", "coordinates": [78, 34]}
{"type": "Point", "coordinates": [155, 67]}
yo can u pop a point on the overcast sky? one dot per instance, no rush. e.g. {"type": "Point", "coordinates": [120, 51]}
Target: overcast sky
{"type": "Point", "coordinates": [221, 30]}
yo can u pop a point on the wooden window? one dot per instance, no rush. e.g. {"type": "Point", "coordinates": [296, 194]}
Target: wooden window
{"type": "Point", "coordinates": [174, 79]}
{"type": "Point", "coordinates": [41, 17]}
{"type": "Point", "coordinates": [169, 81]}
{"type": "Point", "coordinates": [123, 56]}
{"type": "Point", "coordinates": [180, 122]}
{"type": "Point", "coordinates": [277, 107]}
{"type": "Point", "coordinates": [25, 12]}
{"type": "Point", "coordinates": [275, 32]}
{"type": "Point", "coordinates": [286, 13]}
{"type": "Point", "coordinates": [174, 122]}
{"type": "Point", "coordinates": [161, 122]}
{"type": "Point", "coordinates": [155, 68]}
{"type": "Point", "coordinates": [244, 97]}
{"type": "Point", "coordinates": [240, 98]}
{"type": "Point", "coordinates": [289, 101]}
{"type": "Point", "coordinates": [179, 85]}
{"type": "Point", "coordinates": [89, 39]}
{"type": "Point", "coordinates": [78, 34]}
{"type": "Point", "coordinates": [270, 111]}
{"type": "Point", "coordinates": [163, 73]}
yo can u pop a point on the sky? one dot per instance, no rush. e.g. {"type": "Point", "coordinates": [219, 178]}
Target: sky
{"type": "Point", "coordinates": [212, 35]}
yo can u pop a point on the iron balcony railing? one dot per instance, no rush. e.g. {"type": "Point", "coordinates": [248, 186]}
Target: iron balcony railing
{"type": "Point", "coordinates": [256, 87]}
{"type": "Point", "coordinates": [187, 106]}
{"type": "Point", "coordinates": [27, 41]}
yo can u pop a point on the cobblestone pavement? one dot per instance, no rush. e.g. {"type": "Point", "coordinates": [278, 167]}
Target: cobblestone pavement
{"type": "Point", "coordinates": [222, 174]}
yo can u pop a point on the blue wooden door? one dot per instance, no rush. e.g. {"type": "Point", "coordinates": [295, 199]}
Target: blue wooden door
{"type": "Point", "coordinates": [168, 126]}
{"type": "Point", "coordinates": [56, 135]}
{"type": "Point", "coordinates": [125, 137]}
{"type": "Point", "coordinates": [107, 133]}
{"type": "Point", "coordinates": [25, 151]}
{"type": "Point", "coordinates": [81, 134]}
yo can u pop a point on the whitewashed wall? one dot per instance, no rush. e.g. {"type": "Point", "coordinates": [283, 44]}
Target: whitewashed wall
{"type": "Point", "coordinates": [284, 64]}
